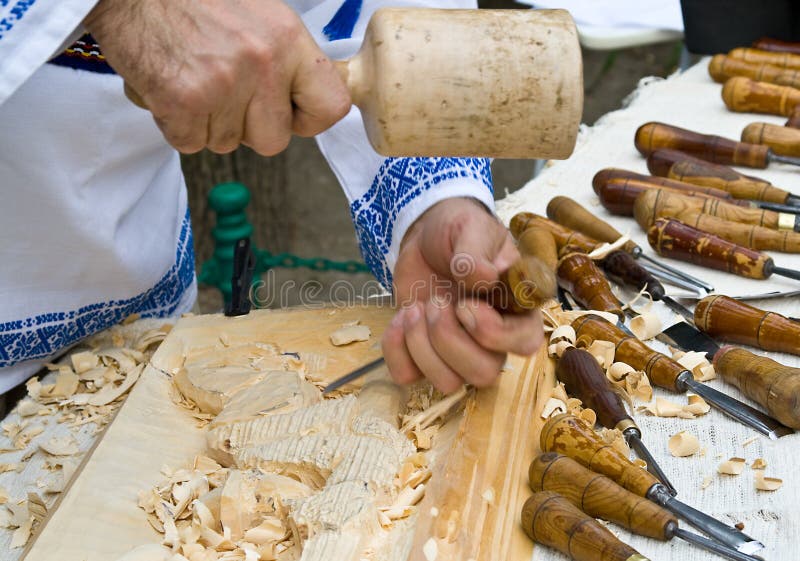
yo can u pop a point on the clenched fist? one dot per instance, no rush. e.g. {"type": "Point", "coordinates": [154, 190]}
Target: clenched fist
{"type": "Point", "coordinates": [220, 73]}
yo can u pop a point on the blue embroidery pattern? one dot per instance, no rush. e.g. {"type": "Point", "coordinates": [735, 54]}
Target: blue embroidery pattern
{"type": "Point", "coordinates": [399, 181]}
{"type": "Point", "coordinates": [343, 21]}
{"type": "Point", "coordinates": [44, 335]}
{"type": "Point", "coordinates": [16, 13]}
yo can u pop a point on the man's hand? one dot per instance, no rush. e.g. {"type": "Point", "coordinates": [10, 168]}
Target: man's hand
{"type": "Point", "coordinates": [440, 331]}
{"type": "Point", "coordinates": [218, 73]}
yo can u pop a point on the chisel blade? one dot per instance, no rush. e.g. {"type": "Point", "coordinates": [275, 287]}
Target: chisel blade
{"type": "Point", "coordinates": [354, 375]}
{"type": "Point", "coordinates": [689, 338]}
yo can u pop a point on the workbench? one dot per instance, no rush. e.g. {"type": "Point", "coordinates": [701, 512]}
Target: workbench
{"type": "Point", "coordinates": [693, 101]}
{"type": "Point", "coordinates": [690, 100]}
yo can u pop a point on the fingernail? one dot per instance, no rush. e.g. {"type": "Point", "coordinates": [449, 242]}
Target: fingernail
{"type": "Point", "coordinates": [411, 315]}
{"type": "Point", "coordinates": [397, 320]}
{"type": "Point", "coordinates": [466, 317]}
{"type": "Point", "coordinates": [432, 311]}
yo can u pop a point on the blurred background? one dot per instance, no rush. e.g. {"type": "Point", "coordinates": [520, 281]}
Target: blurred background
{"type": "Point", "coordinates": [298, 207]}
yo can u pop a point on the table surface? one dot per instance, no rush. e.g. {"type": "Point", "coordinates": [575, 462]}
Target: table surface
{"type": "Point", "coordinates": [691, 100]}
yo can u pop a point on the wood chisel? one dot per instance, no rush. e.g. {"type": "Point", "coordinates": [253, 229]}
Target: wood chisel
{"type": "Point", "coordinates": [780, 59]}
{"type": "Point", "coordinates": [600, 497]}
{"type": "Point", "coordinates": [776, 45]}
{"type": "Point", "coordinates": [678, 165]}
{"type": "Point", "coordinates": [782, 140]}
{"type": "Point", "coordinates": [551, 520]}
{"type": "Point", "coordinates": [585, 379]}
{"type": "Point", "coordinates": [716, 149]}
{"type": "Point", "coordinates": [574, 438]}
{"type": "Point", "coordinates": [721, 68]}
{"type": "Point", "coordinates": [665, 373]}
{"type": "Point", "coordinates": [571, 214]}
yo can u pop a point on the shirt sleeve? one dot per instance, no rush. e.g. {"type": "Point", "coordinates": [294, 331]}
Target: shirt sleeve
{"type": "Point", "coordinates": [31, 31]}
{"type": "Point", "coordinates": [386, 195]}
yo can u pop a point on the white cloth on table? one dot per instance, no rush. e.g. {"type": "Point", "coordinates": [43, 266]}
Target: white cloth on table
{"type": "Point", "coordinates": [94, 219]}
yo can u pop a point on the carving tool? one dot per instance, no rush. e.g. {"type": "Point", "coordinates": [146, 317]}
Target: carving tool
{"type": "Point", "coordinates": [744, 95]}
{"type": "Point", "coordinates": [658, 203]}
{"type": "Point", "coordinates": [782, 60]}
{"type": "Point", "coordinates": [671, 238]}
{"type": "Point", "coordinates": [585, 379]}
{"type": "Point", "coordinates": [713, 148]}
{"type": "Point", "coordinates": [599, 497]}
{"type": "Point", "coordinates": [721, 68]}
{"type": "Point", "coordinates": [772, 385]}
{"type": "Point", "coordinates": [618, 194]}
{"type": "Point", "coordinates": [433, 82]}
{"type": "Point", "coordinates": [571, 214]}
{"type": "Point", "coordinates": [572, 437]}
{"type": "Point", "coordinates": [776, 45]}
{"type": "Point", "coordinates": [782, 140]}
{"type": "Point", "coordinates": [668, 374]}
{"type": "Point", "coordinates": [683, 167]}
{"type": "Point", "coordinates": [550, 519]}
{"type": "Point", "coordinates": [618, 265]}
{"type": "Point", "coordinates": [524, 286]}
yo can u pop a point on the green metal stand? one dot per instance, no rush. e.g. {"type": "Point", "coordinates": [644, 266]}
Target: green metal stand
{"type": "Point", "coordinates": [229, 201]}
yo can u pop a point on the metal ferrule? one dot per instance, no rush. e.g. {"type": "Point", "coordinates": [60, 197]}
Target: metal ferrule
{"type": "Point", "coordinates": [787, 221]}
{"type": "Point", "coordinates": [628, 425]}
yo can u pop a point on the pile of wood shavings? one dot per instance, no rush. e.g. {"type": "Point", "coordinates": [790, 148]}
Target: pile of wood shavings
{"type": "Point", "coordinates": [78, 397]}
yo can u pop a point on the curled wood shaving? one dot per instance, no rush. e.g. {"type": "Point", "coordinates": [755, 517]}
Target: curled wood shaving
{"type": "Point", "coordinates": [749, 441]}
{"type": "Point", "coordinates": [27, 408]}
{"type": "Point", "coordinates": [84, 361]}
{"type": "Point", "coordinates": [350, 334]}
{"type": "Point", "coordinates": [615, 438]}
{"type": "Point", "coordinates": [61, 446]}
{"type": "Point", "coordinates": [696, 363]}
{"type": "Point", "coordinates": [435, 411]}
{"type": "Point", "coordinates": [602, 251]}
{"type": "Point", "coordinates": [683, 444]}
{"type": "Point", "coordinates": [556, 350]}
{"type": "Point", "coordinates": [603, 352]}
{"type": "Point", "coordinates": [733, 466]}
{"type": "Point", "coordinates": [697, 405]}
{"type": "Point", "coordinates": [639, 463]}
{"type": "Point", "coordinates": [707, 481]}
{"type": "Point", "coordinates": [552, 407]}
{"type": "Point", "coordinates": [764, 483]}
{"type": "Point", "coordinates": [22, 534]}
{"type": "Point", "coordinates": [563, 333]}
{"type": "Point", "coordinates": [759, 463]}
{"type": "Point", "coordinates": [560, 393]}
{"type": "Point", "coordinates": [646, 325]}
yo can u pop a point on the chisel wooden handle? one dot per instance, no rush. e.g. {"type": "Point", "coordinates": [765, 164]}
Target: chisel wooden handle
{"type": "Point", "coordinates": [563, 236]}
{"type": "Point", "coordinates": [573, 437]}
{"type": "Point", "coordinates": [578, 275]}
{"type": "Point", "coordinates": [776, 45]}
{"type": "Point", "coordinates": [680, 166]}
{"type": "Point", "coordinates": [619, 266]}
{"type": "Point", "coordinates": [634, 183]}
{"type": "Point", "coordinates": [537, 241]}
{"type": "Point", "coordinates": [585, 379]}
{"type": "Point", "coordinates": [599, 497]}
{"type": "Point", "coordinates": [619, 196]}
{"type": "Point", "coordinates": [748, 235]}
{"type": "Point", "coordinates": [782, 140]}
{"type": "Point", "coordinates": [662, 370]}
{"type": "Point", "coordinates": [748, 96]}
{"type": "Point", "coordinates": [737, 322]}
{"type": "Point", "coordinates": [671, 238]}
{"type": "Point", "coordinates": [772, 385]}
{"type": "Point", "coordinates": [784, 60]}
{"type": "Point", "coordinates": [721, 68]}
{"type": "Point", "coordinates": [526, 285]}
{"type": "Point", "coordinates": [794, 120]}
{"type": "Point", "coordinates": [571, 214]}
{"type": "Point", "coordinates": [551, 520]}
{"type": "Point", "coordinates": [653, 204]}
{"type": "Point", "coordinates": [655, 136]}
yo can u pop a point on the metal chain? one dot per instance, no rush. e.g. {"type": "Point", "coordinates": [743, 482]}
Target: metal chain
{"type": "Point", "coordinates": [291, 261]}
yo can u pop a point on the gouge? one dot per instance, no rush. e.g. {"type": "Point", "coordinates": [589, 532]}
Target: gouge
{"type": "Point", "coordinates": [619, 266]}
{"type": "Point", "coordinates": [671, 238]}
{"type": "Point", "coordinates": [781, 140]}
{"type": "Point", "coordinates": [722, 68]}
{"type": "Point", "coordinates": [748, 235]}
{"type": "Point", "coordinates": [433, 82]}
{"type": "Point", "coordinates": [668, 374]}
{"type": "Point", "coordinates": [776, 45]}
{"type": "Point", "coordinates": [583, 378]}
{"type": "Point", "coordinates": [781, 59]}
{"type": "Point", "coordinates": [550, 519]}
{"type": "Point", "coordinates": [748, 96]}
{"type": "Point", "coordinates": [716, 149]}
{"type": "Point", "coordinates": [524, 286]}
{"type": "Point", "coordinates": [571, 214]}
{"type": "Point", "coordinates": [772, 385]}
{"type": "Point", "coordinates": [572, 437]}
{"type": "Point", "coordinates": [599, 497]}
{"type": "Point", "coordinates": [683, 167]}
{"type": "Point", "coordinates": [655, 203]}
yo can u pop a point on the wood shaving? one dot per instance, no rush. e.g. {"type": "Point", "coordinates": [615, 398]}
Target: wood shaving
{"type": "Point", "coordinates": [27, 408]}
{"type": "Point", "coordinates": [695, 362]}
{"type": "Point", "coordinates": [84, 361]}
{"type": "Point", "coordinates": [61, 446]}
{"type": "Point", "coordinates": [638, 462]}
{"type": "Point", "coordinates": [759, 463]}
{"type": "Point", "coordinates": [603, 352]}
{"type": "Point", "coordinates": [553, 407]}
{"type": "Point", "coordinates": [22, 534]}
{"type": "Point", "coordinates": [733, 466]}
{"type": "Point", "coordinates": [563, 333]}
{"type": "Point", "coordinates": [683, 444]}
{"type": "Point", "coordinates": [560, 392]}
{"type": "Point", "coordinates": [697, 405]}
{"type": "Point", "coordinates": [707, 481]}
{"type": "Point", "coordinates": [749, 441]}
{"type": "Point", "coordinates": [646, 325]}
{"type": "Point", "coordinates": [555, 350]}
{"type": "Point", "coordinates": [350, 334]}
{"type": "Point", "coordinates": [764, 483]}
{"type": "Point", "coordinates": [615, 438]}
{"type": "Point", "coordinates": [3, 496]}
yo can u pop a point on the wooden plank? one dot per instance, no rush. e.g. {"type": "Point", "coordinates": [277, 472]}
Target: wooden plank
{"type": "Point", "coordinates": [98, 518]}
